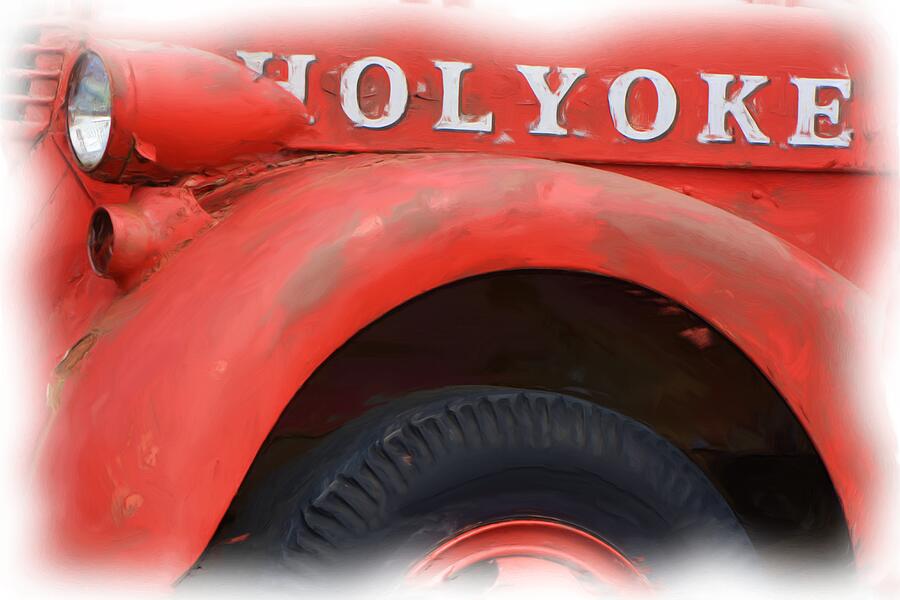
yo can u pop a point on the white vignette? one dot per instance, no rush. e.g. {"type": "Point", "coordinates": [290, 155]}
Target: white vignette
{"type": "Point", "coordinates": [23, 576]}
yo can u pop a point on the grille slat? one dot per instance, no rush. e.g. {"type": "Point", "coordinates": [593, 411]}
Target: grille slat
{"type": "Point", "coordinates": [40, 49]}
{"type": "Point", "coordinates": [17, 73]}
{"type": "Point", "coordinates": [31, 83]}
{"type": "Point", "coordinates": [26, 99]}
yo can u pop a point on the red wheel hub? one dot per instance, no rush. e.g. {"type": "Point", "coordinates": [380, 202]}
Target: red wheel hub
{"type": "Point", "coordinates": [530, 553]}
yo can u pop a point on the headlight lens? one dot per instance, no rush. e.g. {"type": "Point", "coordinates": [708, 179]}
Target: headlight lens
{"type": "Point", "coordinates": [90, 110]}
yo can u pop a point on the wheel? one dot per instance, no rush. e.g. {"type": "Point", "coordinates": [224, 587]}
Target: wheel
{"type": "Point", "coordinates": [481, 486]}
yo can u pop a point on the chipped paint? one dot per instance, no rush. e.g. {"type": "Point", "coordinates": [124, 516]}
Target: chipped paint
{"type": "Point", "coordinates": [308, 248]}
{"type": "Point", "coordinates": [66, 366]}
{"type": "Point", "coordinates": [701, 337]}
{"type": "Point", "coordinates": [305, 274]}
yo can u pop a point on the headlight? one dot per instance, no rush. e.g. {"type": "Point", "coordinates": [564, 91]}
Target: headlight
{"type": "Point", "coordinates": [89, 110]}
{"type": "Point", "coordinates": [224, 116]}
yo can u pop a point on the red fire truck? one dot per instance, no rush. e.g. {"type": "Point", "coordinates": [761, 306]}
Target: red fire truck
{"type": "Point", "coordinates": [420, 292]}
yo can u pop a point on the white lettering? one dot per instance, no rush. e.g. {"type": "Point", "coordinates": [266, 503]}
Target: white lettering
{"type": "Point", "coordinates": [254, 60]}
{"type": "Point", "coordinates": [727, 104]}
{"type": "Point", "coordinates": [297, 67]}
{"type": "Point", "coordinates": [718, 109]}
{"type": "Point", "coordinates": [667, 104]}
{"type": "Point", "coordinates": [808, 111]}
{"type": "Point", "coordinates": [452, 118]}
{"type": "Point", "coordinates": [548, 121]}
{"type": "Point", "coordinates": [396, 104]}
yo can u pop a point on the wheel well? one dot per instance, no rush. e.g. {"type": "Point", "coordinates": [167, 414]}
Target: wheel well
{"type": "Point", "coordinates": [604, 340]}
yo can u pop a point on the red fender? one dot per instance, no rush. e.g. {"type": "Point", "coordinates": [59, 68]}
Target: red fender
{"type": "Point", "coordinates": [167, 401]}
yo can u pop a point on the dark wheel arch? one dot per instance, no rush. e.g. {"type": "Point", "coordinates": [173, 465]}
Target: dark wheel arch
{"type": "Point", "coordinates": [591, 337]}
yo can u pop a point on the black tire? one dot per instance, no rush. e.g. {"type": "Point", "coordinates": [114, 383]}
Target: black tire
{"type": "Point", "coordinates": [387, 488]}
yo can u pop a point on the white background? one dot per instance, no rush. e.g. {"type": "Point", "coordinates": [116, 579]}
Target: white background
{"type": "Point", "coordinates": [18, 392]}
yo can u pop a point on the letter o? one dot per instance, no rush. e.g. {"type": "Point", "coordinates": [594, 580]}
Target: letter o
{"type": "Point", "coordinates": [397, 99]}
{"type": "Point", "coordinates": [667, 104]}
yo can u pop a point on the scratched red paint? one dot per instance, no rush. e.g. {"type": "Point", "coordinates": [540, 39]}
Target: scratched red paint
{"type": "Point", "coordinates": [300, 275]}
{"type": "Point", "coordinates": [154, 431]}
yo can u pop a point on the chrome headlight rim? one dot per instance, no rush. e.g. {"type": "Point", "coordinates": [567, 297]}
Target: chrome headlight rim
{"type": "Point", "coordinates": [77, 77]}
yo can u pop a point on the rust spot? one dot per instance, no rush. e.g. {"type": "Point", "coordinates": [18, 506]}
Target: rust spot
{"type": "Point", "coordinates": [125, 504]}
{"type": "Point", "coordinates": [700, 336]}
{"type": "Point", "coordinates": [150, 456]}
{"type": "Point", "coordinates": [131, 504]}
{"type": "Point", "coordinates": [149, 451]}
{"type": "Point", "coordinates": [66, 366]}
{"type": "Point", "coordinates": [237, 539]}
